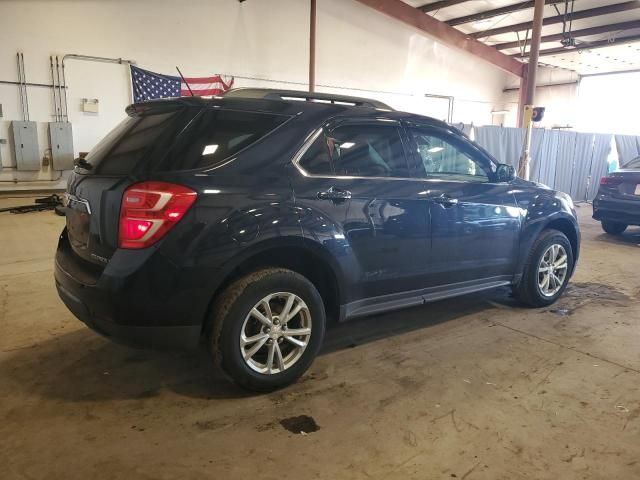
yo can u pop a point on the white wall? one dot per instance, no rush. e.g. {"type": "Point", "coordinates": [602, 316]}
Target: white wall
{"type": "Point", "coordinates": [560, 101]}
{"type": "Point", "coordinates": [359, 51]}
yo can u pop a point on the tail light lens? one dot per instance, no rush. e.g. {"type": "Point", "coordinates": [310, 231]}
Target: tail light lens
{"type": "Point", "coordinates": [611, 181]}
{"type": "Point", "coordinates": [149, 210]}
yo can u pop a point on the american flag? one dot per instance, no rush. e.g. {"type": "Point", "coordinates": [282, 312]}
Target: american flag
{"type": "Point", "coordinates": [150, 85]}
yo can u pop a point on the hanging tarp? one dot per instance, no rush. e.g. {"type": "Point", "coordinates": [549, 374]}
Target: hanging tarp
{"type": "Point", "coordinates": [599, 165]}
{"type": "Point", "coordinates": [505, 144]}
{"type": "Point", "coordinates": [567, 161]}
{"type": "Point", "coordinates": [628, 147]}
{"type": "Point", "coordinates": [544, 156]}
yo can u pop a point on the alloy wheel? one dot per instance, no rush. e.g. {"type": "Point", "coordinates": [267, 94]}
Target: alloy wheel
{"type": "Point", "coordinates": [275, 333]}
{"type": "Point", "coordinates": [552, 270]}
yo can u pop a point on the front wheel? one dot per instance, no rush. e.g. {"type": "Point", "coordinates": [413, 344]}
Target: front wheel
{"type": "Point", "coordinates": [547, 270]}
{"type": "Point", "coordinates": [613, 228]}
{"type": "Point", "coordinates": [269, 326]}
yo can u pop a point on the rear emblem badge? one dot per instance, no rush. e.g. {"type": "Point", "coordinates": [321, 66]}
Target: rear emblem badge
{"type": "Point", "coordinates": [99, 258]}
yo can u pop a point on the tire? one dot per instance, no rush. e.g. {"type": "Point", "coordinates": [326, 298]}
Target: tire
{"type": "Point", "coordinates": [613, 228]}
{"type": "Point", "coordinates": [235, 320]}
{"type": "Point", "coordinates": [529, 291]}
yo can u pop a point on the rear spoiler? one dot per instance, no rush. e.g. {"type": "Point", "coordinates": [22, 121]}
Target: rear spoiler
{"type": "Point", "coordinates": [159, 105]}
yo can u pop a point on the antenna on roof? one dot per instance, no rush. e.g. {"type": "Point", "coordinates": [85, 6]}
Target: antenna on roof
{"type": "Point", "coordinates": [185, 81]}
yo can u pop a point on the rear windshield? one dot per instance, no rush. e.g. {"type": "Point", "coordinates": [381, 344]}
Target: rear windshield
{"type": "Point", "coordinates": [181, 139]}
{"type": "Point", "coordinates": [635, 164]}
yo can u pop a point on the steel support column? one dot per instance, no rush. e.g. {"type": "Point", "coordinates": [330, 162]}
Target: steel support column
{"type": "Point", "coordinates": [530, 87]}
{"type": "Point", "coordinates": [312, 47]}
{"type": "Point", "coordinates": [534, 49]}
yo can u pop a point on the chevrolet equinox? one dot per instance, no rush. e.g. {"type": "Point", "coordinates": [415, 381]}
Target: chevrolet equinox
{"type": "Point", "coordinates": [248, 220]}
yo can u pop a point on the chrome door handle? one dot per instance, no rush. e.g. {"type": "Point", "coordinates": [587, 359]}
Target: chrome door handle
{"type": "Point", "coordinates": [445, 200]}
{"type": "Point", "coordinates": [334, 193]}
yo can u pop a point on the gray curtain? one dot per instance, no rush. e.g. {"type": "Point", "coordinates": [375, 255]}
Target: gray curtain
{"type": "Point", "coordinates": [599, 165]}
{"type": "Point", "coordinates": [505, 144]}
{"type": "Point", "coordinates": [589, 164]}
{"type": "Point", "coordinates": [581, 162]}
{"type": "Point", "coordinates": [628, 147]}
{"type": "Point", "coordinates": [544, 156]}
{"type": "Point", "coordinates": [567, 161]}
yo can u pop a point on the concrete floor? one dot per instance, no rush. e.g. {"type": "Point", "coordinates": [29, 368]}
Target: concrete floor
{"type": "Point", "coordinates": [470, 388]}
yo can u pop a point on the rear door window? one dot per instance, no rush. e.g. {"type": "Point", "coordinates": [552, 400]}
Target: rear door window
{"type": "Point", "coordinates": [367, 150]}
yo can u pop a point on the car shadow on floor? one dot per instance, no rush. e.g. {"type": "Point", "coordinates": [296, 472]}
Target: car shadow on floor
{"type": "Point", "coordinates": [631, 236]}
{"type": "Point", "coordinates": [81, 366]}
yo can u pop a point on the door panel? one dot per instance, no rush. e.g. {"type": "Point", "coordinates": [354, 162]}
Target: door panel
{"type": "Point", "coordinates": [474, 220]}
{"type": "Point", "coordinates": [380, 235]}
{"type": "Point", "coordinates": [386, 227]}
{"type": "Point", "coordinates": [477, 237]}
{"type": "Point", "coordinates": [351, 173]}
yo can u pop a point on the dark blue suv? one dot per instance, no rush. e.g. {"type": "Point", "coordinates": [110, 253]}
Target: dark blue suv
{"type": "Point", "coordinates": [251, 219]}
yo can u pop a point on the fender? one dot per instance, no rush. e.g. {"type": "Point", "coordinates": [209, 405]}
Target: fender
{"type": "Point", "coordinates": [540, 210]}
{"type": "Point", "coordinates": [297, 244]}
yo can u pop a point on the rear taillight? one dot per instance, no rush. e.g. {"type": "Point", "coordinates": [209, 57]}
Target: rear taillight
{"type": "Point", "coordinates": [149, 210]}
{"type": "Point", "coordinates": [611, 181]}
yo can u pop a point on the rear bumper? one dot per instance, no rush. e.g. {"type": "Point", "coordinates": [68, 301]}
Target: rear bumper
{"type": "Point", "coordinates": [179, 337]}
{"type": "Point", "coordinates": [133, 301]}
{"type": "Point", "coordinates": [622, 211]}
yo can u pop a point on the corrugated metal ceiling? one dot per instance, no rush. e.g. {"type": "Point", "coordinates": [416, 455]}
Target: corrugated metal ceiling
{"type": "Point", "coordinates": [621, 55]}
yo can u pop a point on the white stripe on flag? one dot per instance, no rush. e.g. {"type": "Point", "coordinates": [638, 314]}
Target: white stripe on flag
{"type": "Point", "coordinates": [201, 86]}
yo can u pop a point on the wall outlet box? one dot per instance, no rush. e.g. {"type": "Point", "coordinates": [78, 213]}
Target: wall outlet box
{"type": "Point", "coordinates": [90, 105]}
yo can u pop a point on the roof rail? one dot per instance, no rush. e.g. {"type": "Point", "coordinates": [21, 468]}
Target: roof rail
{"type": "Point", "coordinates": [298, 95]}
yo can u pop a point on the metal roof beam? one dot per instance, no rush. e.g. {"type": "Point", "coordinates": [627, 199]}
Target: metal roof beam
{"type": "Point", "coordinates": [579, 15]}
{"type": "Point", "coordinates": [430, 7]}
{"type": "Point", "coordinates": [584, 46]}
{"type": "Point", "coordinates": [614, 27]}
{"type": "Point", "coordinates": [497, 12]}
{"type": "Point", "coordinates": [445, 34]}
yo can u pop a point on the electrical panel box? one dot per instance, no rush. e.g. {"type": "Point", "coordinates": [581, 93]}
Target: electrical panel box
{"type": "Point", "coordinates": [61, 140]}
{"type": "Point", "coordinates": [24, 137]}
{"type": "Point", "coordinates": [90, 105]}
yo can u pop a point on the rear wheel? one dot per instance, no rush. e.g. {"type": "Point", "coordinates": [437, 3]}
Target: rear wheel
{"type": "Point", "coordinates": [269, 327]}
{"type": "Point", "coordinates": [613, 228]}
{"type": "Point", "coordinates": [547, 270]}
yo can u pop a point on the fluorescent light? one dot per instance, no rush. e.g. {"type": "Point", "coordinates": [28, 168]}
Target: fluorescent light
{"type": "Point", "coordinates": [435, 149]}
{"type": "Point", "coordinates": [347, 145]}
{"type": "Point", "coordinates": [482, 23]}
{"type": "Point", "coordinates": [499, 112]}
{"type": "Point", "coordinates": [212, 191]}
{"type": "Point", "coordinates": [209, 149]}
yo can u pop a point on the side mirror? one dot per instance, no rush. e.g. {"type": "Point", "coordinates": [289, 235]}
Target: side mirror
{"type": "Point", "coordinates": [505, 173]}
